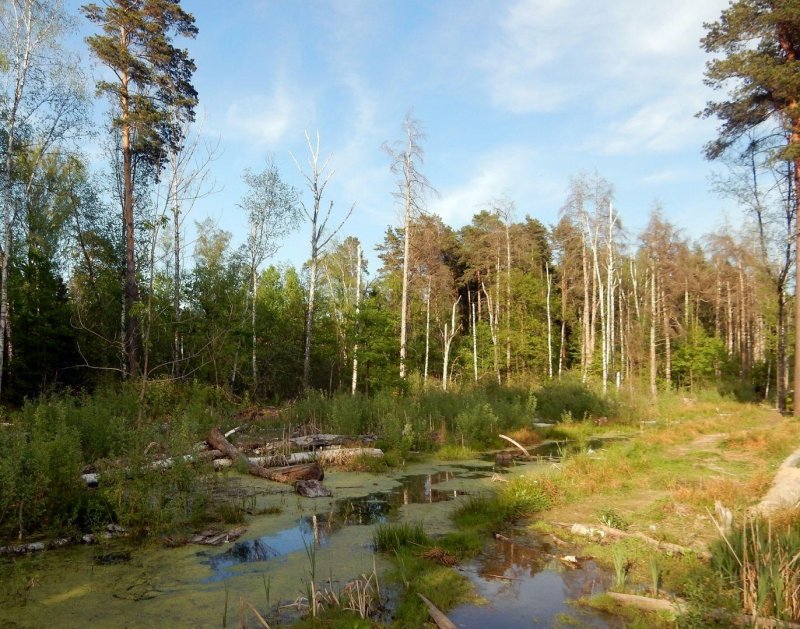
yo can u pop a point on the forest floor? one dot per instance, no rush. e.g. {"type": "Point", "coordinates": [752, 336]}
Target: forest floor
{"type": "Point", "coordinates": [664, 483]}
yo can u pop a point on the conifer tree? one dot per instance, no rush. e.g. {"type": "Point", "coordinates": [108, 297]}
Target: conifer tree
{"type": "Point", "coordinates": [153, 97]}
{"type": "Point", "coordinates": [757, 44]}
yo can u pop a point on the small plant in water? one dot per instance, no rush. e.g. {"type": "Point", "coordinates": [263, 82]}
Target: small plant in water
{"type": "Point", "coordinates": [620, 568]}
{"type": "Point", "coordinates": [655, 575]}
{"type": "Point", "coordinates": [394, 537]}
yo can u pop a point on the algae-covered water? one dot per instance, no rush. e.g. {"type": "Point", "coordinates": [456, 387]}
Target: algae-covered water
{"type": "Point", "coordinates": [269, 566]}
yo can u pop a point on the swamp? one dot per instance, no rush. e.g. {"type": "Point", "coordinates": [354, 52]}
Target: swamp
{"type": "Point", "coordinates": [399, 314]}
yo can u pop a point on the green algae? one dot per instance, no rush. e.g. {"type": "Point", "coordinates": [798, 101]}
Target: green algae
{"type": "Point", "coordinates": [177, 587]}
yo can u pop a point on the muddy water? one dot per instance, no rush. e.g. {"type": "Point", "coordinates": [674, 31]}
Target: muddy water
{"type": "Point", "coordinates": [192, 585]}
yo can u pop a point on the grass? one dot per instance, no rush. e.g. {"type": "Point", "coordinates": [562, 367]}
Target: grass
{"type": "Point", "coordinates": [389, 538]}
{"type": "Point", "coordinates": [760, 560]}
{"type": "Point", "coordinates": [456, 452]}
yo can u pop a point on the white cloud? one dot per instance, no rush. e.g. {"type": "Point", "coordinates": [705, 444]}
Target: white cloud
{"type": "Point", "coordinates": [508, 170]}
{"type": "Point", "coordinates": [268, 119]}
{"type": "Point", "coordinates": [550, 54]}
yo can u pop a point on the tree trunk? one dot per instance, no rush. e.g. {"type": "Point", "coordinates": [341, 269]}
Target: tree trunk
{"type": "Point", "coordinates": [667, 341]}
{"type": "Point", "coordinates": [354, 383]}
{"type": "Point", "coordinates": [312, 289]}
{"type": "Point", "coordinates": [508, 299]}
{"type": "Point", "coordinates": [404, 298]}
{"type": "Point", "coordinates": [653, 314]}
{"type": "Point", "coordinates": [474, 343]}
{"type": "Point", "coordinates": [131, 288]}
{"type": "Point", "coordinates": [254, 292]}
{"type": "Point", "coordinates": [549, 324]}
{"type": "Point", "coordinates": [427, 335]}
{"type": "Point", "coordinates": [796, 391]}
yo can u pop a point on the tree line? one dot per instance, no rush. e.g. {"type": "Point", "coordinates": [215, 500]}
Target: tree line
{"type": "Point", "coordinates": [98, 283]}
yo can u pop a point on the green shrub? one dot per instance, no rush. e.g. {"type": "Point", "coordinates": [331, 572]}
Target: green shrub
{"type": "Point", "coordinates": [570, 396]}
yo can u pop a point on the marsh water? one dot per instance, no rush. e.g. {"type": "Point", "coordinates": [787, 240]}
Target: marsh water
{"type": "Point", "coordinates": [521, 583]}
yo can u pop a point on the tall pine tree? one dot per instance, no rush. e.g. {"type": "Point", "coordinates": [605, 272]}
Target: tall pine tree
{"type": "Point", "coordinates": [757, 43]}
{"type": "Point", "coordinates": [153, 97]}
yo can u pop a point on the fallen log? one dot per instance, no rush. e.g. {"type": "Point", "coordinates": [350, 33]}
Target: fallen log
{"type": "Point", "coordinates": [603, 531]}
{"type": "Point", "coordinates": [336, 456]}
{"type": "Point", "coordinates": [646, 603]}
{"type": "Point", "coordinates": [214, 537]}
{"type": "Point", "coordinates": [516, 443]}
{"type": "Point", "coordinates": [442, 621]}
{"type": "Point", "coordinates": [290, 474]}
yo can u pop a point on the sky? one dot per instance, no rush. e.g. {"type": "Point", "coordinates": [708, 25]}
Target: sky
{"type": "Point", "coordinates": [515, 97]}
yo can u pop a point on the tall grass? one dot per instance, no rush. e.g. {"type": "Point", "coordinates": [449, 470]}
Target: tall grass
{"type": "Point", "coordinates": [761, 561]}
{"type": "Point", "coordinates": [421, 421]}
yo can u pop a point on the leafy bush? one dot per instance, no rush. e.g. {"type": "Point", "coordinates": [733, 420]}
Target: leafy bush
{"type": "Point", "coordinates": [570, 397]}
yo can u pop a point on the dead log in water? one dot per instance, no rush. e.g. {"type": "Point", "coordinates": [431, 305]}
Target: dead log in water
{"type": "Point", "coordinates": [290, 474]}
{"type": "Point", "coordinates": [442, 621]}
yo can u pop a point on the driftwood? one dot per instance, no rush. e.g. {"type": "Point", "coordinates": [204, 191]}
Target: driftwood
{"type": "Point", "coordinates": [214, 537]}
{"type": "Point", "coordinates": [112, 530]}
{"type": "Point", "coordinates": [646, 603]}
{"type": "Point", "coordinates": [308, 471]}
{"type": "Point", "coordinates": [516, 443]}
{"type": "Point", "coordinates": [442, 621]}
{"type": "Point", "coordinates": [333, 456]}
{"type": "Point", "coordinates": [603, 531]}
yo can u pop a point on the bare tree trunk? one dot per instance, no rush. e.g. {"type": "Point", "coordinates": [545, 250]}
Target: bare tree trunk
{"type": "Point", "coordinates": [176, 273]}
{"type": "Point", "coordinates": [586, 313]}
{"type": "Point", "coordinates": [562, 350]}
{"type": "Point", "coordinates": [667, 341]}
{"type": "Point", "coordinates": [796, 173]}
{"type": "Point", "coordinates": [312, 291]}
{"type": "Point", "coordinates": [653, 315]}
{"type": "Point", "coordinates": [493, 310]}
{"type": "Point", "coordinates": [508, 298]}
{"type": "Point", "coordinates": [404, 298]}
{"type": "Point", "coordinates": [549, 324]}
{"type": "Point", "coordinates": [474, 343]}
{"type": "Point", "coordinates": [449, 335]}
{"type": "Point", "coordinates": [354, 384]}
{"type": "Point", "coordinates": [427, 335]}
{"type": "Point", "coordinates": [254, 342]}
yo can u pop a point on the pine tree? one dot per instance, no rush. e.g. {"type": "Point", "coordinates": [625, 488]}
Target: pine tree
{"type": "Point", "coordinates": [758, 43]}
{"type": "Point", "coordinates": [153, 97]}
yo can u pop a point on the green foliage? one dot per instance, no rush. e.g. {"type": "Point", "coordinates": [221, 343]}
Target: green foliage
{"type": "Point", "coordinates": [40, 483]}
{"type": "Point", "coordinates": [570, 396]}
{"type": "Point", "coordinates": [389, 538]}
{"type": "Point", "coordinates": [50, 441]}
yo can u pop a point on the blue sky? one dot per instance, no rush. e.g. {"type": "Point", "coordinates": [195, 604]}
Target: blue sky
{"type": "Point", "coordinates": [516, 96]}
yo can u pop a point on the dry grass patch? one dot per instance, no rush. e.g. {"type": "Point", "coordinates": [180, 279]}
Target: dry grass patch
{"type": "Point", "coordinates": [732, 492]}
{"type": "Point", "coordinates": [525, 436]}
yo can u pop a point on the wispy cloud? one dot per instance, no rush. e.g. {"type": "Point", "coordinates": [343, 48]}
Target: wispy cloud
{"type": "Point", "coordinates": [508, 170]}
{"type": "Point", "coordinates": [267, 119]}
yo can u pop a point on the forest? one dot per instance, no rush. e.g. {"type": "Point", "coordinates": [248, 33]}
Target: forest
{"type": "Point", "coordinates": [129, 329]}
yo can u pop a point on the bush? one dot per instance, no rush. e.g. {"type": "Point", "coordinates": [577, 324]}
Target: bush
{"type": "Point", "coordinates": [570, 397]}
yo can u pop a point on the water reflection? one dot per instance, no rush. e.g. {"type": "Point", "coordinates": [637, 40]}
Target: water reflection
{"type": "Point", "coordinates": [374, 508]}
{"type": "Point", "coordinates": [525, 586]}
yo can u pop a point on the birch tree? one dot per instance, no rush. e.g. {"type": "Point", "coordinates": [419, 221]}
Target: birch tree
{"type": "Point", "coordinates": [317, 178]}
{"type": "Point", "coordinates": [40, 98]}
{"type": "Point", "coordinates": [272, 212]}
